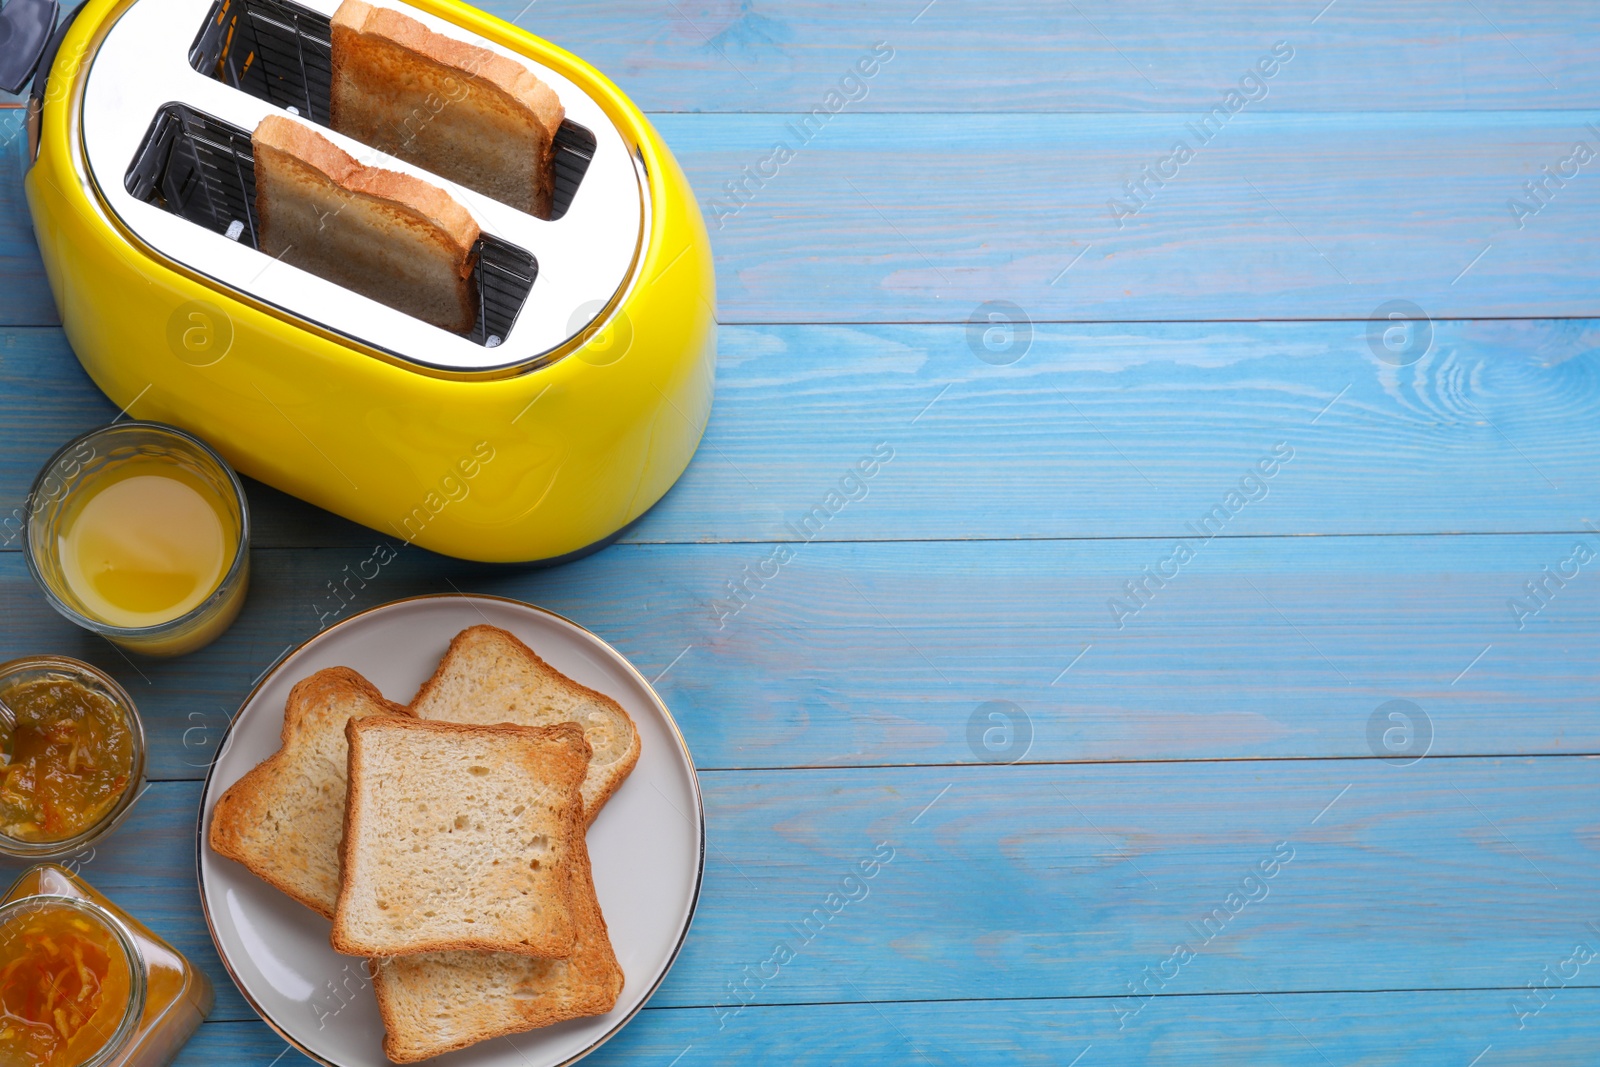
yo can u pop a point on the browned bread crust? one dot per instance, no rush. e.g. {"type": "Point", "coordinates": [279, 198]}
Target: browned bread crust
{"type": "Point", "coordinates": [434, 1003]}
{"type": "Point", "coordinates": [552, 759]}
{"type": "Point", "coordinates": [381, 216]}
{"type": "Point", "coordinates": [495, 669]}
{"type": "Point", "coordinates": [466, 113]}
{"type": "Point", "coordinates": [263, 818]}
{"type": "Point", "coordinates": [406, 192]}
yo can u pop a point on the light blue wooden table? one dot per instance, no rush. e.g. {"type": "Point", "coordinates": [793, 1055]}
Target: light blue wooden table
{"type": "Point", "coordinates": [1105, 650]}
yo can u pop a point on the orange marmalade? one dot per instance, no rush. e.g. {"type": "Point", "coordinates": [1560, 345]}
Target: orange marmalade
{"type": "Point", "coordinates": [67, 763]}
{"type": "Point", "coordinates": [65, 985]}
{"type": "Point", "coordinates": [151, 999]}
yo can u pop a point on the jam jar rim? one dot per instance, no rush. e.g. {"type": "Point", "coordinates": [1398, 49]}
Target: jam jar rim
{"type": "Point", "coordinates": [138, 983]}
{"type": "Point", "coordinates": [94, 676]}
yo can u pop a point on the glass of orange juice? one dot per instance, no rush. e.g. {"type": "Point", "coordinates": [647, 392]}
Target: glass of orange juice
{"type": "Point", "coordinates": [140, 532]}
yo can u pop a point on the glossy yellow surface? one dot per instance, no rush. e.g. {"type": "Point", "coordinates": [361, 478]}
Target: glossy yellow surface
{"type": "Point", "coordinates": [559, 457]}
{"type": "Point", "coordinates": [148, 542]}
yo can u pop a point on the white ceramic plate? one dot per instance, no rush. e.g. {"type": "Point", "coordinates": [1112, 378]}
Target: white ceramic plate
{"type": "Point", "coordinates": [647, 845]}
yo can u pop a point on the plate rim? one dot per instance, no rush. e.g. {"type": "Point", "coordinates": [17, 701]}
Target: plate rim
{"type": "Point", "coordinates": [271, 672]}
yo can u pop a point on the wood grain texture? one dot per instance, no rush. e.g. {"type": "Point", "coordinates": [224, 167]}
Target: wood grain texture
{"type": "Point", "coordinates": [1098, 430]}
{"type": "Point", "coordinates": [1394, 1029]}
{"type": "Point", "coordinates": [920, 218]}
{"type": "Point", "coordinates": [1138, 430]}
{"type": "Point", "coordinates": [1057, 881]}
{"type": "Point", "coordinates": [887, 654]}
{"type": "Point", "coordinates": [1068, 881]}
{"type": "Point", "coordinates": [24, 291]}
{"type": "Point", "coordinates": [871, 691]}
{"type": "Point", "coordinates": [1094, 55]}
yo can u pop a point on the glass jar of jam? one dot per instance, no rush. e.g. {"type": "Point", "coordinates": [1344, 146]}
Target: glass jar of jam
{"type": "Point", "coordinates": [84, 985]}
{"type": "Point", "coordinates": [71, 763]}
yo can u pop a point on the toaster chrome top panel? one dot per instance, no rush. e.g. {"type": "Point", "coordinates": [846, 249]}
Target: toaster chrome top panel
{"type": "Point", "coordinates": [583, 258]}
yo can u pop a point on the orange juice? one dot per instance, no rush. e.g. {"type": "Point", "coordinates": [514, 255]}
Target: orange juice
{"type": "Point", "coordinates": [139, 532]}
{"type": "Point", "coordinates": [148, 542]}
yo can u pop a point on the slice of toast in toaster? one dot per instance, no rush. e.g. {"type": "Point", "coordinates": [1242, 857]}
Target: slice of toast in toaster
{"type": "Point", "coordinates": [465, 113]}
{"type": "Point", "coordinates": [389, 236]}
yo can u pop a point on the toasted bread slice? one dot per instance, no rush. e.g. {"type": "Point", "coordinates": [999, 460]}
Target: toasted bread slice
{"type": "Point", "coordinates": [488, 676]}
{"type": "Point", "coordinates": [389, 236]}
{"type": "Point", "coordinates": [460, 837]}
{"type": "Point", "coordinates": [284, 820]}
{"type": "Point", "coordinates": [463, 112]}
{"type": "Point", "coordinates": [435, 1002]}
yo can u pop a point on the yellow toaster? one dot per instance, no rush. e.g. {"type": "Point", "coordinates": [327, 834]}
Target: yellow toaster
{"type": "Point", "coordinates": [571, 407]}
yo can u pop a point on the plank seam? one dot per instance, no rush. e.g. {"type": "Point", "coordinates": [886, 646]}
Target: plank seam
{"type": "Point", "coordinates": [1130, 538]}
{"type": "Point", "coordinates": [1074, 997]}
{"type": "Point", "coordinates": [764, 768]}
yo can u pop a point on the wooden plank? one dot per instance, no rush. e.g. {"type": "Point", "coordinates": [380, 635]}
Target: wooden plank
{"type": "Point", "coordinates": [1018, 55]}
{"type": "Point", "coordinates": [889, 654]}
{"type": "Point", "coordinates": [24, 292]}
{"type": "Point", "coordinates": [1138, 430]}
{"type": "Point", "coordinates": [1024, 55]}
{"type": "Point", "coordinates": [1388, 1029]}
{"type": "Point", "coordinates": [1097, 431]}
{"type": "Point", "coordinates": [1058, 881]}
{"type": "Point", "coordinates": [895, 218]}
{"type": "Point", "coordinates": [1069, 881]}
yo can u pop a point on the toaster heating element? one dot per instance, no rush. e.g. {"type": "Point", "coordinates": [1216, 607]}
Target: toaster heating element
{"type": "Point", "coordinates": [569, 408]}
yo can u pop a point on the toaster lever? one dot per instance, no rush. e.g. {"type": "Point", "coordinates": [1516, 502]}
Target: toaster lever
{"type": "Point", "coordinates": [25, 27]}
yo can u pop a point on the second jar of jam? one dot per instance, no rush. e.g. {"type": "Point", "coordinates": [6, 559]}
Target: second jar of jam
{"type": "Point", "coordinates": [82, 984]}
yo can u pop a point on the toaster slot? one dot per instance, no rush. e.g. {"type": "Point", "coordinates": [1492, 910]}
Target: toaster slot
{"type": "Point", "coordinates": [505, 274]}
{"type": "Point", "coordinates": [573, 151]}
{"type": "Point", "coordinates": [275, 51]}
{"type": "Point", "coordinates": [281, 52]}
{"type": "Point", "coordinates": [202, 169]}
